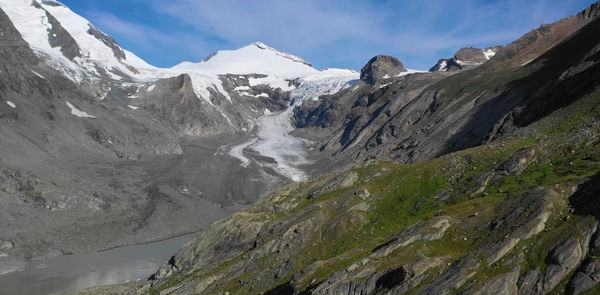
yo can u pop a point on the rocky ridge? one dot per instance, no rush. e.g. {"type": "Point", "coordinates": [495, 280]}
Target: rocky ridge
{"type": "Point", "coordinates": [422, 115]}
{"type": "Point", "coordinates": [465, 58]}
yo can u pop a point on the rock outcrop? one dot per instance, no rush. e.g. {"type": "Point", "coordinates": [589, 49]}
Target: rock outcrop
{"type": "Point", "coordinates": [465, 58]}
{"type": "Point", "coordinates": [380, 68]}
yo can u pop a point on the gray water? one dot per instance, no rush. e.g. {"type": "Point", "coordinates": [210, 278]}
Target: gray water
{"type": "Point", "coordinates": [80, 271]}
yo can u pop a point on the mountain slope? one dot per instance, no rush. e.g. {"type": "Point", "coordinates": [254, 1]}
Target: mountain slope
{"type": "Point", "coordinates": [507, 205]}
{"type": "Point", "coordinates": [515, 216]}
{"type": "Point", "coordinates": [70, 44]}
{"type": "Point", "coordinates": [425, 115]}
{"type": "Point", "coordinates": [91, 135]}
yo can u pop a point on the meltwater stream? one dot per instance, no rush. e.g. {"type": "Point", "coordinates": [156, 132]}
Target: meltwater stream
{"type": "Point", "coordinates": [80, 271]}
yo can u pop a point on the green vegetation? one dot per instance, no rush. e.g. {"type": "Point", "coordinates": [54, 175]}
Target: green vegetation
{"type": "Point", "coordinates": [466, 187]}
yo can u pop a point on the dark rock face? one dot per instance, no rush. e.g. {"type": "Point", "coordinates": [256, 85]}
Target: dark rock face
{"type": "Point", "coordinates": [59, 37]}
{"type": "Point", "coordinates": [107, 40]}
{"type": "Point", "coordinates": [586, 277]}
{"type": "Point", "coordinates": [12, 45]}
{"type": "Point", "coordinates": [380, 68]}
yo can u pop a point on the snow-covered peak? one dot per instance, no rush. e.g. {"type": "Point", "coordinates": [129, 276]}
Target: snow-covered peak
{"type": "Point", "coordinates": [256, 58]}
{"type": "Point", "coordinates": [68, 41]}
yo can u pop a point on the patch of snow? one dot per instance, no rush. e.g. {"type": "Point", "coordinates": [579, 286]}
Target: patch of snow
{"type": "Point", "coordinates": [241, 88]}
{"type": "Point", "coordinates": [133, 107]}
{"type": "Point", "coordinates": [464, 63]}
{"type": "Point", "coordinates": [105, 94]}
{"type": "Point", "coordinates": [267, 112]}
{"type": "Point", "coordinates": [150, 88]}
{"type": "Point", "coordinates": [489, 53]}
{"type": "Point", "coordinates": [263, 95]}
{"type": "Point", "coordinates": [11, 104]}
{"type": "Point", "coordinates": [443, 66]}
{"type": "Point", "coordinates": [37, 74]}
{"type": "Point", "coordinates": [78, 113]}
{"type": "Point", "coordinates": [386, 76]}
{"type": "Point", "coordinates": [410, 71]}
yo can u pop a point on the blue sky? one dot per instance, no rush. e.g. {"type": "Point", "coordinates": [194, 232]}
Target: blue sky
{"type": "Point", "coordinates": [334, 33]}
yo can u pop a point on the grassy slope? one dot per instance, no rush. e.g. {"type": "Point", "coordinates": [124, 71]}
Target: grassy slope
{"type": "Point", "coordinates": [405, 195]}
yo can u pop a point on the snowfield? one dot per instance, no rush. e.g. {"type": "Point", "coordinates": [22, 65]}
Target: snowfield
{"type": "Point", "coordinates": [77, 112]}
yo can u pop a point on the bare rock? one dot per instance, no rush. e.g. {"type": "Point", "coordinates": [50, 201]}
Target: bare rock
{"type": "Point", "coordinates": [586, 277]}
{"type": "Point", "coordinates": [505, 284]}
{"type": "Point", "coordinates": [452, 279]}
{"type": "Point", "coordinates": [529, 282]}
{"type": "Point", "coordinates": [380, 68]}
{"type": "Point", "coordinates": [517, 162]}
{"type": "Point", "coordinates": [522, 216]}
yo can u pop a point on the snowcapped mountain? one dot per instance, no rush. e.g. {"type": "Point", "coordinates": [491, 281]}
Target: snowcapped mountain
{"type": "Point", "coordinates": [234, 86]}
{"type": "Point", "coordinates": [74, 103]}
{"type": "Point", "coordinates": [254, 58]}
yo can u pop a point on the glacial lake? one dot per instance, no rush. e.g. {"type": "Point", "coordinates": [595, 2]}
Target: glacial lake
{"type": "Point", "coordinates": [80, 271]}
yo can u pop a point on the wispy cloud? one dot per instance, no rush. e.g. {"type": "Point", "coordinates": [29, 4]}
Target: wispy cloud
{"type": "Point", "coordinates": [339, 32]}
